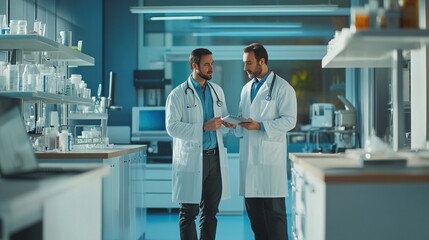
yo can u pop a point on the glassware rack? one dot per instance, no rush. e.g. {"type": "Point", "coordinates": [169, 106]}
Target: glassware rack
{"type": "Point", "coordinates": [22, 46]}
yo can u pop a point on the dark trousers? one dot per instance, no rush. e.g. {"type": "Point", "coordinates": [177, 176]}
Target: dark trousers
{"type": "Point", "coordinates": [210, 199]}
{"type": "Point", "coordinates": [267, 218]}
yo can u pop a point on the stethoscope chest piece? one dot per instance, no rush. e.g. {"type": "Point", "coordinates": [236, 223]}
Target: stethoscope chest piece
{"type": "Point", "coordinates": [268, 97]}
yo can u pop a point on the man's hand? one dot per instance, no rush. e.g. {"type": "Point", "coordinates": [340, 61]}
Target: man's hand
{"type": "Point", "coordinates": [251, 125]}
{"type": "Point", "coordinates": [213, 124]}
{"type": "Point", "coordinates": [229, 125]}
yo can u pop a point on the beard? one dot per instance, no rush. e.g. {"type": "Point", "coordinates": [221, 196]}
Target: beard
{"type": "Point", "coordinates": [255, 73]}
{"type": "Point", "coordinates": [206, 77]}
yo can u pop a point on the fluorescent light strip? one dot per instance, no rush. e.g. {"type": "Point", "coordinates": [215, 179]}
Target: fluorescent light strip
{"type": "Point", "coordinates": [247, 34]}
{"type": "Point", "coordinates": [292, 33]}
{"type": "Point", "coordinates": [176, 18]}
{"type": "Point", "coordinates": [249, 10]}
{"type": "Point", "coordinates": [252, 26]}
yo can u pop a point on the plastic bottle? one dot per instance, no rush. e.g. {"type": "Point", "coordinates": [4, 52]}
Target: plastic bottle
{"type": "Point", "coordinates": [372, 13]}
{"type": "Point", "coordinates": [25, 80]}
{"type": "Point", "coordinates": [64, 141]}
{"type": "Point", "coordinates": [51, 138]}
{"type": "Point", "coordinates": [392, 14]}
{"type": "Point", "coordinates": [4, 84]}
{"type": "Point", "coordinates": [13, 25]}
{"type": "Point", "coordinates": [13, 77]}
{"type": "Point", "coordinates": [71, 141]}
{"type": "Point", "coordinates": [22, 26]}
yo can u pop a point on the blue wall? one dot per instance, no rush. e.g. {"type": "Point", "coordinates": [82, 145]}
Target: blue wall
{"type": "Point", "coordinates": [120, 56]}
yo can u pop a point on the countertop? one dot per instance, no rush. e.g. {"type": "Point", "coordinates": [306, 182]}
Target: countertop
{"type": "Point", "coordinates": [339, 168]}
{"type": "Point", "coordinates": [21, 202]}
{"type": "Point", "coordinates": [104, 153]}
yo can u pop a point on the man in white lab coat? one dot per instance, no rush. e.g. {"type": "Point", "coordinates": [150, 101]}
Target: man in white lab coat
{"type": "Point", "coordinates": [269, 103]}
{"type": "Point", "coordinates": [200, 167]}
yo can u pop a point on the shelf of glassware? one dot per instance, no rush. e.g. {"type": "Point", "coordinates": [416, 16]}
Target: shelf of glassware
{"type": "Point", "coordinates": [46, 97]}
{"type": "Point", "coordinates": [54, 50]}
{"type": "Point", "coordinates": [371, 48]}
{"type": "Point", "coordinates": [87, 116]}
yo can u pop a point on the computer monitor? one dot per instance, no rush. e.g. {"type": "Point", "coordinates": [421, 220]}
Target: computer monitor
{"type": "Point", "coordinates": [148, 124]}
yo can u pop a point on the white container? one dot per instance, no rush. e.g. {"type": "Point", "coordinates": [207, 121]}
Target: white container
{"type": "Point", "coordinates": [54, 119]}
{"type": "Point", "coordinates": [13, 25]}
{"type": "Point", "coordinates": [76, 78]}
{"type": "Point", "coordinates": [64, 141]}
{"type": "Point", "coordinates": [13, 77]}
{"type": "Point", "coordinates": [22, 26]}
{"type": "Point", "coordinates": [51, 136]}
{"type": "Point", "coordinates": [4, 83]}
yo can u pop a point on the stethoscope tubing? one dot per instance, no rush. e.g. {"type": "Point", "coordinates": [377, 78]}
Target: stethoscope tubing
{"type": "Point", "coordinates": [219, 103]}
{"type": "Point", "coordinates": [269, 97]}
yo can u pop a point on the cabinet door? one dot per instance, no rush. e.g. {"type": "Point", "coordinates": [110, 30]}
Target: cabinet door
{"type": "Point", "coordinates": [315, 208]}
{"type": "Point", "coordinates": [234, 205]}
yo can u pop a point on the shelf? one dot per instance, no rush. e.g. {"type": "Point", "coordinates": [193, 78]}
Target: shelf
{"type": "Point", "coordinates": [37, 43]}
{"type": "Point", "coordinates": [46, 97]}
{"type": "Point", "coordinates": [372, 48]}
{"type": "Point", "coordinates": [87, 116]}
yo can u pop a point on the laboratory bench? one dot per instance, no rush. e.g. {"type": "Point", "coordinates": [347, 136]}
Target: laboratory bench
{"type": "Point", "coordinates": [123, 207]}
{"type": "Point", "coordinates": [335, 197]}
{"type": "Point", "coordinates": [53, 208]}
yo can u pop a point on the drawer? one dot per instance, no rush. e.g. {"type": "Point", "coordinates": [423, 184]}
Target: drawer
{"type": "Point", "coordinates": [151, 186]}
{"type": "Point", "coordinates": [162, 174]}
{"type": "Point", "coordinates": [160, 200]}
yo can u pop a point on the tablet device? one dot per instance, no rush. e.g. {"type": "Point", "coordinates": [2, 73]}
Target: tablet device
{"type": "Point", "coordinates": [232, 119]}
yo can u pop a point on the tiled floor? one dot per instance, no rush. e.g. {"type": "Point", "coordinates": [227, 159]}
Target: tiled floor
{"type": "Point", "coordinates": [162, 225]}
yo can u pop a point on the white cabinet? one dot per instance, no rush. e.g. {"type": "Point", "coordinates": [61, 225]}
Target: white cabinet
{"type": "Point", "coordinates": [157, 186]}
{"type": "Point", "coordinates": [123, 208]}
{"type": "Point", "coordinates": [234, 205]}
{"type": "Point", "coordinates": [335, 199]}
{"type": "Point", "coordinates": [157, 190]}
{"type": "Point", "coordinates": [308, 206]}
{"type": "Point", "coordinates": [53, 208]}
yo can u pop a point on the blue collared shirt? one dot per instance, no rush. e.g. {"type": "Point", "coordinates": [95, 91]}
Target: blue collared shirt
{"type": "Point", "coordinates": [209, 137]}
{"type": "Point", "coordinates": [256, 85]}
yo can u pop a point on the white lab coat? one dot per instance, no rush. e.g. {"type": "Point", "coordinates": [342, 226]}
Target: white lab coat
{"type": "Point", "coordinates": [263, 157]}
{"type": "Point", "coordinates": [184, 122]}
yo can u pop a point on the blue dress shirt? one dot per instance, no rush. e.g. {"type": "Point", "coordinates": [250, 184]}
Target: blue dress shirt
{"type": "Point", "coordinates": [209, 137]}
{"type": "Point", "coordinates": [256, 85]}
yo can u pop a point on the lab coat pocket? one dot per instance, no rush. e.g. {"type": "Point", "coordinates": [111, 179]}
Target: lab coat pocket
{"type": "Point", "coordinates": [268, 109]}
{"type": "Point", "coordinates": [188, 159]}
{"type": "Point", "coordinates": [192, 115]}
{"type": "Point", "coordinates": [272, 153]}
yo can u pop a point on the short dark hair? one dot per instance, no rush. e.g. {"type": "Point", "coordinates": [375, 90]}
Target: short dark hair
{"type": "Point", "coordinates": [196, 55]}
{"type": "Point", "coordinates": [259, 51]}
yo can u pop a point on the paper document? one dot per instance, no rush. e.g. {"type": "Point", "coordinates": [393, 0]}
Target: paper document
{"type": "Point", "coordinates": [234, 119]}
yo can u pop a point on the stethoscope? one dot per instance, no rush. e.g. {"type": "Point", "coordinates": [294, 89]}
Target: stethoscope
{"type": "Point", "coordinates": [219, 103]}
{"type": "Point", "coordinates": [268, 97]}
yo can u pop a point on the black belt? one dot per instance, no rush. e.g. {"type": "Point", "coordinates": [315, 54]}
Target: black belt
{"type": "Point", "coordinates": [213, 151]}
